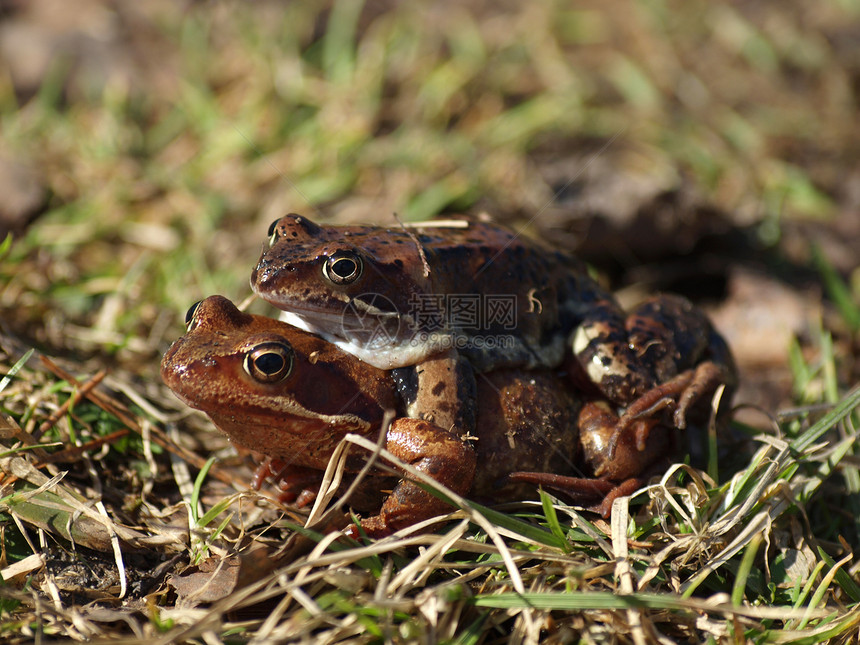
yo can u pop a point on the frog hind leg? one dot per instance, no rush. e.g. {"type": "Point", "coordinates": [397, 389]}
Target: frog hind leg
{"type": "Point", "coordinates": [664, 355]}
{"type": "Point", "coordinates": [584, 491]}
{"type": "Point", "coordinates": [614, 475]}
{"type": "Point", "coordinates": [627, 487]}
{"type": "Point", "coordinates": [683, 393]}
{"type": "Point", "coordinates": [594, 493]}
{"type": "Point", "coordinates": [432, 450]}
{"type": "Point", "coordinates": [578, 490]}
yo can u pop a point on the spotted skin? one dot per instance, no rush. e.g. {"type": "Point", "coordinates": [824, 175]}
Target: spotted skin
{"type": "Point", "coordinates": [664, 358]}
{"type": "Point", "coordinates": [448, 286]}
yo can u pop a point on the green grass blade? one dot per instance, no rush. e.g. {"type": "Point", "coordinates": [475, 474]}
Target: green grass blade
{"type": "Point", "coordinates": [744, 570]}
{"type": "Point", "coordinates": [837, 289]}
{"type": "Point", "coordinates": [198, 485]}
{"type": "Point", "coordinates": [525, 529]}
{"type": "Point", "coordinates": [15, 369]}
{"type": "Point", "coordinates": [841, 410]}
{"type": "Point", "coordinates": [338, 54]}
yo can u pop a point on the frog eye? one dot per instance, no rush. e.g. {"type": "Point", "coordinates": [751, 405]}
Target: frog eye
{"type": "Point", "coordinates": [189, 316]}
{"type": "Point", "coordinates": [343, 267]}
{"type": "Point", "coordinates": [269, 362]}
{"type": "Point", "coordinates": [273, 232]}
{"type": "Point", "coordinates": [287, 225]}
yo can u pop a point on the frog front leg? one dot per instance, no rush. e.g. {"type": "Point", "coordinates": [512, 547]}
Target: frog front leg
{"type": "Point", "coordinates": [664, 355]}
{"type": "Point", "coordinates": [440, 390]}
{"type": "Point", "coordinates": [296, 484]}
{"type": "Point", "coordinates": [431, 450]}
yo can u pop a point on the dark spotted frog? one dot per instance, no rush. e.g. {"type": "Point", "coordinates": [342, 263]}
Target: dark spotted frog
{"type": "Point", "coordinates": [433, 294]}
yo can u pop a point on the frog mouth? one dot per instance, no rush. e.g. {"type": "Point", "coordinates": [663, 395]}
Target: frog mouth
{"type": "Point", "coordinates": [369, 313]}
{"type": "Point", "coordinates": [377, 335]}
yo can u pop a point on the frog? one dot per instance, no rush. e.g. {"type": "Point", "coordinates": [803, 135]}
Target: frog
{"type": "Point", "coordinates": [291, 396]}
{"type": "Point", "coordinates": [425, 289]}
{"type": "Point", "coordinates": [402, 298]}
{"type": "Point", "coordinates": [662, 359]}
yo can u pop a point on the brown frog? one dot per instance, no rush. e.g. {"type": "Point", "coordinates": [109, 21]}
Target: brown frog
{"type": "Point", "coordinates": [292, 396]}
{"type": "Point", "coordinates": [397, 297]}
{"type": "Point", "coordinates": [440, 300]}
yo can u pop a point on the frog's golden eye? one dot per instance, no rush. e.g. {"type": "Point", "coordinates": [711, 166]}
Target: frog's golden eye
{"type": "Point", "coordinates": [343, 267]}
{"type": "Point", "coordinates": [189, 316]}
{"type": "Point", "coordinates": [269, 362]}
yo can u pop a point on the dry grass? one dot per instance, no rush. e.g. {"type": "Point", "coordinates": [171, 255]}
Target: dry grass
{"type": "Point", "coordinates": [696, 560]}
{"type": "Point", "coordinates": [166, 140]}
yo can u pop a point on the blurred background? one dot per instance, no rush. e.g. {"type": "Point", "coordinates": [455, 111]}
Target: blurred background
{"type": "Point", "coordinates": [710, 148]}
